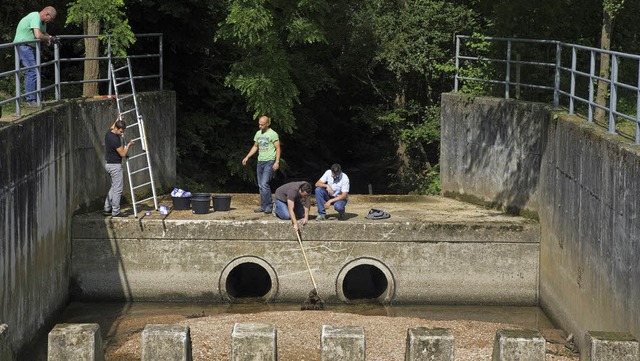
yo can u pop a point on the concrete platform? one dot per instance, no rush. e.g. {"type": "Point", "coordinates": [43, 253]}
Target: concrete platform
{"type": "Point", "coordinates": [431, 250]}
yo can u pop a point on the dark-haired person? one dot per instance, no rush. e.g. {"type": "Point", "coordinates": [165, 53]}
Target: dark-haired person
{"type": "Point", "coordinates": [267, 144]}
{"type": "Point", "coordinates": [113, 154]}
{"type": "Point", "coordinates": [332, 189]}
{"type": "Point", "coordinates": [292, 202]}
{"type": "Point", "coordinates": [31, 27]}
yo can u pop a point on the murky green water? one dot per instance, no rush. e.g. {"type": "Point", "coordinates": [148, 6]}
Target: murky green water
{"type": "Point", "coordinates": [110, 315]}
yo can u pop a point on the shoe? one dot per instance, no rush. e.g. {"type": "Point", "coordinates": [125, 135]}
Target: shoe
{"type": "Point", "coordinates": [268, 211]}
{"type": "Point", "coordinates": [258, 210]}
{"type": "Point", "coordinates": [120, 215]}
{"type": "Point", "coordinates": [32, 103]}
{"type": "Point", "coordinates": [106, 214]}
{"type": "Point", "coordinates": [321, 217]}
{"type": "Point", "coordinates": [342, 216]}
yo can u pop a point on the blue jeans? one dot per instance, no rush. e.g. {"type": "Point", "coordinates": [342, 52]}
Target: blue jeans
{"type": "Point", "coordinates": [322, 196]}
{"type": "Point", "coordinates": [28, 58]}
{"type": "Point", "coordinates": [265, 171]}
{"type": "Point", "coordinates": [282, 211]}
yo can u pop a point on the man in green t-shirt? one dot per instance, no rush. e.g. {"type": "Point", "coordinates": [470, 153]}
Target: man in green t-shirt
{"type": "Point", "coordinates": [32, 26]}
{"type": "Point", "coordinates": [267, 144]}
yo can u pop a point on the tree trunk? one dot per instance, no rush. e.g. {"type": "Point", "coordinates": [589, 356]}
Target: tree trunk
{"type": "Point", "coordinates": [92, 50]}
{"type": "Point", "coordinates": [605, 65]}
{"type": "Point", "coordinates": [401, 148]}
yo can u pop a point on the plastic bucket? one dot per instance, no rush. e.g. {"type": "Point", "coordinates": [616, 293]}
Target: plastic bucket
{"type": "Point", "coordinates": [200, 203]}
{"type": "Point", "coordinates": [181, 203]}
{"type": "Point", "coordinates": [221, 202]}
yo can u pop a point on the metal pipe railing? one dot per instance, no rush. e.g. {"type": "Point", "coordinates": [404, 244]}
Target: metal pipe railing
{"type": "Point", "coordinates": [58, 61]}
{"type": "Point", "coordinates": [567, 82]}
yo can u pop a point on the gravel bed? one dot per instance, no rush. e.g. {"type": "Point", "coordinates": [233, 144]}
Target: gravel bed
{"type": "Point", "coordinates": [298, 334]}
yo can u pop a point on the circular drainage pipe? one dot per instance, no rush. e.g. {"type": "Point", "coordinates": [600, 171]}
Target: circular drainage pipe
{"type": "Point", "coordinates": [365, 280]}
{"type": "Point", "coordinates": [248, 278]}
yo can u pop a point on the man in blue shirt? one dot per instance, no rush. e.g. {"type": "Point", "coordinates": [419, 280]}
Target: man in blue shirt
{"type": "Point", "coordinates": [332, 189]}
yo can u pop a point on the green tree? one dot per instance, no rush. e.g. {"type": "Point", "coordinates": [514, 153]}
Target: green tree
{"type": "Point", "coordinates": [411, 65]}
{"type": "Point", "coordinates": [266, 32]}
{"type": "Point", "coordinates": [610, 9]}
{"type": "Point", "coordinates": [93, 15]}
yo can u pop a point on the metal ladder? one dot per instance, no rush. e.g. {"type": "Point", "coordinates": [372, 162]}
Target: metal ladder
{"type": "Point", "coordinates": [138, 160]}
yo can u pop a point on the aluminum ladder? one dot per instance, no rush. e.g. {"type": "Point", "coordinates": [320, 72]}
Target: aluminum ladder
{"type": "Point", "coordinates": [138, 160]}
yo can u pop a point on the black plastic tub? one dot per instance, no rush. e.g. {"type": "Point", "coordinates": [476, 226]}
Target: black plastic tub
{"type": "Point", "coordinates": [181, 203]}
{"type": "Point", "coordinates": [200, 203]}
{"type": "Point", "coordinates": [221, 202]}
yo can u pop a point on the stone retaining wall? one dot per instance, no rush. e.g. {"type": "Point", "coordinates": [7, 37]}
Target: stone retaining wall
{"type": "Point", "coordinates": [581, 182]}
{"type": "Point", "coordinates": [51, 166]}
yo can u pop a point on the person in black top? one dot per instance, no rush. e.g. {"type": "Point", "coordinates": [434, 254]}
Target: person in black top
{"type": "Point", "coordinates": [114, 152]}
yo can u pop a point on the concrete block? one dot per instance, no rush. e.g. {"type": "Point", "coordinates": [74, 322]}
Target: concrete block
{"type": "Point", "coordinates": [433, 344]}
{"type": "Point", "coordinates": [75, 342]}
{"type": "Point", "coordinates": [254, 342]}
{"type": "Point", "coordinates": [604, 346]}
{"type": "Point", "coordinates": [5, 347]}
{"type": "Point", "coordinates": [166, 342]}
{"type": "Point", "coordinates": [342, 343]}
{"type": "Point", "coordinates": [518, 345]}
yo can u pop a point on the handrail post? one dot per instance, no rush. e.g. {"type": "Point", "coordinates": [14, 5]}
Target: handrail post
{"type": "Point", "coordinates": [39, 74]}
{"type": "Point", "coordinates": [638, 108]}
{"type": "Point", "coordinates": [508, 71]}
{"type": "Point", "coordinates": [161, 64]}
{"type": "Point", "coordinates": [592, 73]}
{"type": "Point", "coordinates": [573, 78]}
{"type": "Point", "coordinates": [613, 99]}
{"type": "Point", "coordinates": [556, 85]}
{"type": "Point", "coordinates": [17, 77]}
{"type": "Point", "coordinates": [110, 91]}
{"type": "Point", "coordinates": [455, 82]}
{"type": "Point", "coordinates": [56, 57]}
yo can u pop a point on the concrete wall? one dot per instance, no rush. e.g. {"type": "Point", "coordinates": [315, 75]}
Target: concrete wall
{"type": "Point", "coordinates": [182, 260]}
{"type": "Point", "coordinates": [51, 166]}
{"type": "Point", "coordinates": [582, 183]}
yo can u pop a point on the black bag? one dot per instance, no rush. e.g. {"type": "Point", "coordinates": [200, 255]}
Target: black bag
{"type": "Point", "coordinates": [375, 213]}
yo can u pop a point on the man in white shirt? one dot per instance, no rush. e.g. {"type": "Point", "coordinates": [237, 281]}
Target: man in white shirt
{"type": "Point", "coordinates": [332, 189]}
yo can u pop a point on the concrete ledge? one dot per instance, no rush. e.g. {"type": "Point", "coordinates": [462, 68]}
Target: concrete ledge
{"type": "Point", "coordinates": [604, 346]}
{"type": "Point", "coordinates": [180, 257]}
{"type": "Point", "coordinates": [435, 344]}
{"type": "Point", "coordinates": [75, 342]}
{"type": "Point", "coordinates": [166, 342]}
{"type": "Point", "coordinates": [254, 341]}
{"type": "Point", "coordinates": [5, 347]}
{"type": "Point", "coordinates": [342, 343]}
{"type": "Point", "coordinates": [518, 345]}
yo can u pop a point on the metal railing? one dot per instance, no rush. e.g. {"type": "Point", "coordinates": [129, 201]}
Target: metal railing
{"type": "Point", "coordinates": [567, 72]}
{"type": "Point", "coordinates": [57, 83]}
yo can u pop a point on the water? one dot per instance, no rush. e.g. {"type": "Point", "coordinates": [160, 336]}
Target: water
{"type": "Point", "coordinates": [110, 316]}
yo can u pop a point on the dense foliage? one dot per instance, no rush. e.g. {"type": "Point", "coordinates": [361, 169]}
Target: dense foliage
{"type": "Point", "coordinates": [352, 81]}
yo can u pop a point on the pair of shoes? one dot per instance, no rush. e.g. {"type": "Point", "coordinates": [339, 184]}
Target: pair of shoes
{"type": "Point", "coordinates": [106, 214]}
{"type": "Point", "coordinates": [258, 210]}
{"type": "Point", "coordinates": [120, 215]}
{"type": "Point", "coordinates": [268, 211]}
{"type": "Point", "coordinates": [342, 216]}
{"type": "Point", "coordinates": [321, 217]}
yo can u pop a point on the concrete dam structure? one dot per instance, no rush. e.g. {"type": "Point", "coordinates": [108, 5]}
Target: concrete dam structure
{"type": "Point", "coordinates": [577, 260]}
{"type": "Point", "coordinates": [432, 250]}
